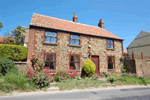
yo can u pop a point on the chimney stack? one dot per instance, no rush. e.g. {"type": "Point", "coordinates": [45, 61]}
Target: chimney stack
{"type": "Point", "coordinates": [101, 23]}
{"type": "Point", "coordinates": [75, 18]}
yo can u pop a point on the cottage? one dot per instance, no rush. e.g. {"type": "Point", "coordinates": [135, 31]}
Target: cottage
{"type": "Point", "coordinates": [67, 44]}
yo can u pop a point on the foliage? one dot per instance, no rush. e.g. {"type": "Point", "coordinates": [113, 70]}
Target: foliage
{"type": "Point", "coordinates": [123, 69]}
{"type": "Point", "coordinates": [36, 61]}
{"type": "Point", "coordinates": [13, 52]}
{"type": "Point", "coordinates": [111, 79]}
{"type": "Point", "coordinates": [18, 34]}
{"type": "Point", "coordinates": [1, 25]}
{"type": "Point", "coordinates": [40, 78]}
{"type": "Point", "coordinates": [89, 67]}
{"type": "Point", "coordinates": [63, 76]}
{"type": "Point", "coordinates": [106, 74]}
{"type": "Point", "coordinates": [95, 76]}
{"type": "Point", "coordinates": [7, 88]}
{"type": "Point", "coordinates": [5, 65]}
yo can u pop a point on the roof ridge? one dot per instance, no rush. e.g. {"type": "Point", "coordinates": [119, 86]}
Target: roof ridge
{"type": "Point", "coordinates": [145, 31]}
{"type": "Point", "coordinates": [69, 21]}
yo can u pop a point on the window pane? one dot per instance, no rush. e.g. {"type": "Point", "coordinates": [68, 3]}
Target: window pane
{"type": "Point", "coordinates": [53, 34]}
{"type": "Point", "coordinates": [50, 58]}
{"type": "Point", "coordinates": [46, 64]}
{"type": "Point", "coordinates": [111, 46]}
{"type": "Point", "coordinates": [72, 42]}
{"type": "Point", "coordinates": [47, 39]}
{"type": "Point", "coordinates": [53, 40]}
{"type": "Point", "coordinates": [48, 33]}
{"type": "Point", "coordinates": [110, 65]}
{"type": "Point", "coordinates": [76, 65]}
{"type": "Point", "coordinates": [72, 58]}
{"type": "Point", "coordinates": [76, 58]}
{"type": "Point", "coordinates": [108, 41]}
{"type": "Point", "coordinates": [77, 42]}
{"type": "Point", "coordinates": [111, 41]}
{"type": "Point", "coordinates": [76, 37]}
{"type": "Point", "coordinates": [72, 36]}
{"type": "Point", "coordinates": [52, 65]}
{"type": "Point", "coordinates": [108, 45]}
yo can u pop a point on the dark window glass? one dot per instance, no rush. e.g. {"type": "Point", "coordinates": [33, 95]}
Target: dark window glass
{"type": "Point", "coordinates": [111, 62]}
{"type": "Point", "coordinates": [74, 62]}
{"type": "Point", "coordinates": [50, 60]}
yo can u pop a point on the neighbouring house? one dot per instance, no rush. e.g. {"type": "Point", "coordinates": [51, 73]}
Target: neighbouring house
{"type": "Point", "coordinates": [65, 45]}
{"type": "Point", "coordinates": [140, 44]}
{"type": "Point", "coordinates": [2, 39]}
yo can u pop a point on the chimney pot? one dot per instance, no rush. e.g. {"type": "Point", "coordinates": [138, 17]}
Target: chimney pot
{"type": "Point", "coordinates": [101, 23]}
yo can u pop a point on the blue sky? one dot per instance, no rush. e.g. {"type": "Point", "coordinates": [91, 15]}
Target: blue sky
{"type": "Point", "coordinates": [124, 18]}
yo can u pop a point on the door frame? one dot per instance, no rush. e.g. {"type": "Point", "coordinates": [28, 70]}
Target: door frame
{"type": "Point", "coordinates": [98, 60]}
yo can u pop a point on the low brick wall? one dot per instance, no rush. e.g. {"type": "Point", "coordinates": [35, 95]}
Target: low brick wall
{"type": "Point", "coordinates": [21, 65]}
{"type": "Point", "coordinates": [130, 65]}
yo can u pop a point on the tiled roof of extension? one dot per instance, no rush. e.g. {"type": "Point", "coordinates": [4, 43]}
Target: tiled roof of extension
{"type": "Point", "coordinates": [60, 24]}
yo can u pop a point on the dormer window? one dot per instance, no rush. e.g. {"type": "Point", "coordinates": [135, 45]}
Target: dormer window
{"type": "Point", "coordinates": [50, 37]}
{"type": "Point", "coordinates": [74, 39]}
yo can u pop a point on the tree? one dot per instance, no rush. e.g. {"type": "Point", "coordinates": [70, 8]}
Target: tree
{"type": "Point", "coordinates": [1, 25]}
{"type": "Point", "coordinates": [16, 36]}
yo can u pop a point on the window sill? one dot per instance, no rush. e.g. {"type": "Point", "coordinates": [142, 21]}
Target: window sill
{"type": "Point", "coordinates": [72, 45]}
{"type": "Point", "coordinates": [49, 43]}
{"type": "Point", "coordinates": [110, 49]}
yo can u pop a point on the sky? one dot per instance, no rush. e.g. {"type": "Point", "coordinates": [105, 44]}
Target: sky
{"type": "Point", "coordinates": [124, 18]}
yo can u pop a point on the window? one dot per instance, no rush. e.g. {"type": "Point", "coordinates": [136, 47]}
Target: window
{"type": "Point", "coordinates": [50, 60]}
{"type": "Point", "coordinates": [50, 37]}
{"type": "Point", "coordinates": [111, 62]}
{"type": "Point", "coordinates": [74, 39]}
{"type": "Point", "coordinates": [74, 62]}
{"type": "Point", "coordinates": [110, 44]}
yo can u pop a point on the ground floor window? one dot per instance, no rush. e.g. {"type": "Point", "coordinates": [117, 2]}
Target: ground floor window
{"type": "Point", "coordinates": [50, 61]}
{"type": "Point", "coordinates": [74, 62]}
{"type": "Point", "coordinates": [111, 62]}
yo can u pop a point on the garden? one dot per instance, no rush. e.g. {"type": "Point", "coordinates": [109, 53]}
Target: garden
{"type": "Point", "coordinates": [40, 78]}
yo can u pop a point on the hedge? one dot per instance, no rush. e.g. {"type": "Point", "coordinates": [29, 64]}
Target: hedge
{"type": "Point", "coordinates": [13, 52]}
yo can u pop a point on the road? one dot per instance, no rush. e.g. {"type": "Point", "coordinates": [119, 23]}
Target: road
{"type": "Point", "coordinates": [114, 94]}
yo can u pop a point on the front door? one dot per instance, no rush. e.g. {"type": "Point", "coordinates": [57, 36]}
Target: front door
{"type": "Point", "coordinates": [95, 59]}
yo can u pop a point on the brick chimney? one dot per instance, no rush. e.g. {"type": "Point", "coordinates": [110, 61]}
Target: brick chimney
{"type": "Point", "coordinates": [101, 23]}
{"type": "Point", "coordinates": [75, 18]}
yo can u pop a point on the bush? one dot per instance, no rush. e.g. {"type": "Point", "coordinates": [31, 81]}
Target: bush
{"type": "Point", "coordinates": [6, 65]}
{"type": "Point", "coordinates": [7, 88]}
{"type": "Point", "coordinates": [106, 74]}
{"type": "Point", "coordinates": [95, 76]}
{"type": "Point", "coordinates": [123, 69]}
{"type": "Point", "coordinates": [40, 78]}
{"type": "Point", "coordinates": [14, 52]}
{"type": "Point", "coordinates": [89, 68]}
{"type": "Point", "coordinates": [111, 79]}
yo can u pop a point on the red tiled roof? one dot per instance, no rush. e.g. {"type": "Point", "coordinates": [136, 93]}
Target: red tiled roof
{"type": "Point", "coordinates": [124, 51]}
{"type": "Point", "coordinates": [55, 23]}
{"type": "Point", "coordinates": [2, 39]}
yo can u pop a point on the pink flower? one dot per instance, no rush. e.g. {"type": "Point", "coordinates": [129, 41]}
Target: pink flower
{"type": "Point", "coordinates": [40, 59]}
{"type": "Point", "coordinates": [58, 74]}
{"type": "Point", "coordinates": [84, 75]}
{"type": "Point", "coordinates": [97, 76]}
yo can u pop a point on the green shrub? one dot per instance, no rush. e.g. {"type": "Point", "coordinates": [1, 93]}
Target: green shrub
{"type": "Point", "coordinates": [14, 52]}
{"type": "Point", "coordinates": [6, 65]}
{"type": "Point", "coordinates": [111, 79]}
{"type": "Point", "coordinates": [89, 67]}
{"type": "Point", "coordinates": [123, 69]}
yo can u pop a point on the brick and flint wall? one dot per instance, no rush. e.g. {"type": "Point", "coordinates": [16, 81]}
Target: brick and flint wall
{"type": "Point", "coordinates": [63, 49]}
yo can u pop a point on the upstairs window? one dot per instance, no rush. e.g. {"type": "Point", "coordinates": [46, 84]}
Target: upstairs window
{"type": "Point", "coordinates": [111, 62]}
{"type": "Point", "coordinates": [50, 37]}
{"type": "Point", "coordinates": [74, 39]}
{"type": "Point", "coordinates": [74, 62]}
{"type": "Point", "coordinates": [50, 61]}
{"type": "Point", "coordinates": [110, 44]}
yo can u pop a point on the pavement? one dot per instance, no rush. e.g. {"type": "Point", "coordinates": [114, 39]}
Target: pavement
{"type": "Point", "coordinates": [111, 93]}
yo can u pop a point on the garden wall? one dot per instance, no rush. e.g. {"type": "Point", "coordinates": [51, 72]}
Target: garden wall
{"type": "Point", "coordinates": [138, 66]}
{"type": "Point", "coordinates": [21, 65]}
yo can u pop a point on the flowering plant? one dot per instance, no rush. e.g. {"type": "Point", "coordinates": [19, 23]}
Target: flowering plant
{"type": "Point", "coordinates": [40, 78]}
